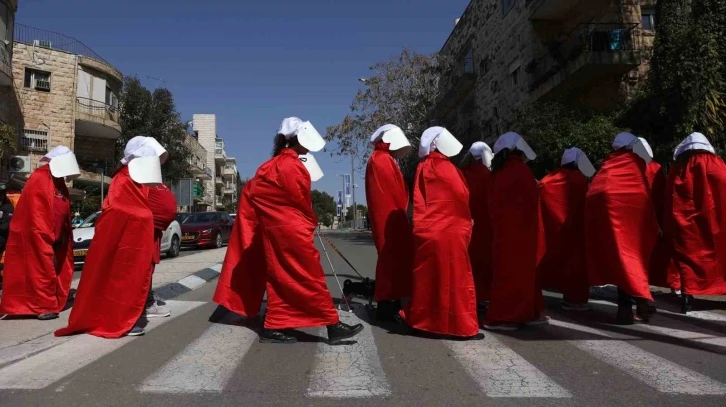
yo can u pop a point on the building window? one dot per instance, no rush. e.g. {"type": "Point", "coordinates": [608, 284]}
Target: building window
{"type": "Point", "coordinates": [647, 16]}
{"type": "Point", "coordinates": [38, 80]}
{"type": "Point", "coordinates": [514, 74]}
{"type": "Point", "coordinates": [34, 141]}
{"type": "Point", "coordinates": [111, 99]}
{"type": "Point", "coordinates": [468, 61]}
{"type": "Point", "coordinates": [507, 6]}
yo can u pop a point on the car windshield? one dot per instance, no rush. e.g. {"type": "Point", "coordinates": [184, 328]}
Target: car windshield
{"type": "Point", "coordinates": [181, 216]}
{"type": "Point", "coordinates": [202, 218]}
{"type": "Point", "coordinates": [90, 221]}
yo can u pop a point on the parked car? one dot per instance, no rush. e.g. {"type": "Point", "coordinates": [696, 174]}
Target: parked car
{"type": "Point", "coordinates": [206, 229]}
{"type": "Point", "coordinates": [83, 235]}
{"type": "Point", "coordinates": [181, 216]}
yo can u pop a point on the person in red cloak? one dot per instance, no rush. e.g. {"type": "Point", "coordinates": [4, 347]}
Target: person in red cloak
{"type": "Point", "coordinates": [39, 254]}
{"type": "Point", "coordinates": [241, 284]}
{"type": "Point", "coordinates": [516, 297]}
{"type": "Point", "coordinates": [562, 229]}
{"type": "Point", "coordinates": [621, 227]}
{"type": "Point", "coordinates": [387, 196]}
{"type": "Point", "coordinates": [694, 215]}
{"type": "Point", "coordinates": [297, 295]}
{"type": "Point", "coordinates": [163, 210]}
{"type": "Point", "coordinates": [443, 300]}
{"type": "Point", "coordinates": [475, 167]}
{"type": "Point", "coordinates": [116, 277]}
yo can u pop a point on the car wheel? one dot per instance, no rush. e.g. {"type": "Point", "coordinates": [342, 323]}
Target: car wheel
{"type": "Point", "coordinates": [174, 247]}
{"type": "Point", "coordinates": [218, 240]}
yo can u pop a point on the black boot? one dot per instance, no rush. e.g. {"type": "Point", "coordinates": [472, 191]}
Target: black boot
{"type": "Point", "coordinates": [686, 303]}
{"type": "Point", "coordinates": [275, 336]}
{"type": "Point", "coordinates": [386, 310]}
{"type": "Point", "coordinates": [625, 309]}
{"type": "Point", "coordinates": [47, 316]}
{"type": "Point", "coordinates": [340, 331]}
{"type": "Point", "coordinates": [642, 311]}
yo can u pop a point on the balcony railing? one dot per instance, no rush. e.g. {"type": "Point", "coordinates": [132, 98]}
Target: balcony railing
{"type": "Point", "coordinates": [593, 39]}
{"type": "Point", "coordinates": [198, 191]}
{"type": "Point", "coordinates": [97, 109]}
{"type": "Point", "coordinates": [53, 40]}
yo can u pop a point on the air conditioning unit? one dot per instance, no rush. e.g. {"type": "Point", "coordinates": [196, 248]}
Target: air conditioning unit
{"type": "Point", "coordinates": [42, 44]}
{"type": "Point", "coordinates": [42, 85]}
{"type": "Point", "coordinates": [19, 164]}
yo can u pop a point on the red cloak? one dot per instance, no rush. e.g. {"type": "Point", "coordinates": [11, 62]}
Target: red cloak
{"type": "Point", "coordinates": [661, 257]}
{"type": "Point", "coordinates": [116, 277]}
{"type": "Point", "coordinates": [241, 285]}
{"type": "Point", "coordinates": [387, 197]}
{"type": "Point", "coordinates": [620, 225]}
{"type": "Point", "coordinates": [694, 219]}
{"type": "Point", "coordinates": [39, 254]}
{"type": "Point", "coordinates": [562, 196]}
{"type": "Point", "coordinates": [297, 294]}
{"type": "Point", "coordinates": [516, 296]}
{"type": "Point", "coordinates": [478, 179]}
{"type": "Point", "coordinates": [443, 297]}
{"type": "Point", "coordinates": [163, 210]}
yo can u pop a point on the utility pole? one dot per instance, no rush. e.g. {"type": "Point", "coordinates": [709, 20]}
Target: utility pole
{"type": "Point", "coordinates": [352, 188]}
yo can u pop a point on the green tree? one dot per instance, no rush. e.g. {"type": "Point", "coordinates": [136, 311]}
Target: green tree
{"type": "Point", "coordinates": [324, 207]}
{"type": "Point", "coordinates": [153, 114]}
{"type": "Point", "coordinates": [361, 207]}
{"type": "Point", "coordinates": [8, 139]}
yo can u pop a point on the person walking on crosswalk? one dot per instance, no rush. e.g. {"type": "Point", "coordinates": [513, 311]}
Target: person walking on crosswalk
{"type": "Point", "coordinates": [694, 216]}
{"type": "Point", "coordinates": [116, 277]}
{"type": "Point", "coordinates": [39, 253]}
{"type": "Point", "coordinates": [387, 196]}
{"type": "Point", "coordinates": [621, 227]}
{"type": "Point", "coordinates": [516, 296]}
{"type": "Point", "coordinates": [297, 294]}
{"type": "Point", "coordinates": [562, 195]}
{"type": "Point", "coordinates": [443, 300]}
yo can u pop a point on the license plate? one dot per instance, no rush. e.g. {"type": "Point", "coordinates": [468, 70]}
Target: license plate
{"type": "Point", "coordinates": [187, 237]}
{"type": "Point", "coordinates": [80, 253]}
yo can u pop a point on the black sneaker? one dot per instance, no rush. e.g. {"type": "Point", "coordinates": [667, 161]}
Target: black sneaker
{"type": "Point", "coordinates": [47, 316]}
{"type": "Point", "coordinates": [275, 336]}
{"type": "Point", "coordinates": [136, 331]}
{"type": "Point", "coordinates": [340, 331]}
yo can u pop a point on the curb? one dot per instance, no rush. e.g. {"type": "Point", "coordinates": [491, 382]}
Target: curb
{"type": "Point", "coordinates": [188, 283]}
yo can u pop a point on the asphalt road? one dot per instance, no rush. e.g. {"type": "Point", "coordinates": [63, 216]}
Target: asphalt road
{"type": "Point", "coordinates": [182, 253]}
{"type": "Point", "coordinates": [185, 360]}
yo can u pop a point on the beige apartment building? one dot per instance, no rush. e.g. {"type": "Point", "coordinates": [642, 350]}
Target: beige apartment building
{"type": "Point", "coordinates": [200, 173]}
{"type": "Point", "coordinates": [504, 54]}
{"type": "Point", "coordinates": [66, 95]}
{"type": "Point", "coordinates": [221, 188]}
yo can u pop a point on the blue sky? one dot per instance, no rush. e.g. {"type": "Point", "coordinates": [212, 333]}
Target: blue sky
{"type": "Point", "coordinates": [253, 62]}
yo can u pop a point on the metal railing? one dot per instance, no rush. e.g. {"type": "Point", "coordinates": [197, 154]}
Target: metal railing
{"type": "Point", "coordinates": [97, 109]}
{"type": "Point", "coordinates": [585, 38]}
{"type": "Point", "coordinates": [52, 40]}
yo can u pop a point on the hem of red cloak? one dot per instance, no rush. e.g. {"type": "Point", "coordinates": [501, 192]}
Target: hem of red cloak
{"type": "Point", "coordinates": [309, 324]}
{"type": "Point", "coordinates": [222, 297]}
{"type": "Point", "coordinates": [402, 314]}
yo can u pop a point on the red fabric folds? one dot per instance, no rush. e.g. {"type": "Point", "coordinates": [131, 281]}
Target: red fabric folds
{"type": "Point", "coordinates": [117, 274]}
{"type": "Point", "coordinates": [660, 259]}
{"type": "Point", "coordinates": [443, 297]}
{"type": "Point", "coordinates": [241, 284]}
{"type": "Point", "coordinates": [516, 296]}
{"type": "Point", "coordinates": [297, 294]}
{"type": "Point", "coordinates": [387, 197]}
{"type": "Point", "coordinates": [478, 179]}
{"type": "Point", "coordinates": [695, 220]}
{"type": "Point", "coordinates": [39, 254]}
{"type": "Point", "coordinates": [562, 196]}
{"type": "Point", "coordinates": [620, 225]}
{"type": "Point", "coordinates": [163, 210]}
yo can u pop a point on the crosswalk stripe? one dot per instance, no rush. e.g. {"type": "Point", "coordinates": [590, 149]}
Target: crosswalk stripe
{"type": "Point", "coordinates": [206, 365]}
{"type": "Point", "coordinates": [655, 371]}
{"type": "Point", "coordinates": [348, 371]}
{"type": "Point", "coordinates": [45, 368]}
{"type": "Point", "coordinates": [501, 372]}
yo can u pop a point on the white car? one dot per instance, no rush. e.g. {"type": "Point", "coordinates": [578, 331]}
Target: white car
{"type": "Point", "coordinates": [83, 234]}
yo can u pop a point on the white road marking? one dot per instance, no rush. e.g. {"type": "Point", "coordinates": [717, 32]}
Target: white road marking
{"type": "Point", "coordinates": [348, 371]}
{"type": "Point", "coordinates": [206, 365]}
{"type": "Point", "coordinates": [192, 282]}
{"type": "Point", "coordinates": [47, 367]}
{"type": "Point", "coordinates": [501, 372]}
{"type": "Point", "coordinates": [655, 371]}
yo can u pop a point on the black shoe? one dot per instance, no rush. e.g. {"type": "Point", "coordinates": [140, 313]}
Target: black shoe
{"type": "Point", "coordinates": [47, 316]}
{"type": "Point", "coordinates": [275, 336]}
{"type": "Point", "coordinates": [341, 331]}
{"type": "Point", "coordinates": [386, 311]}
{"type": "Point", "coordinates": [686, 303]}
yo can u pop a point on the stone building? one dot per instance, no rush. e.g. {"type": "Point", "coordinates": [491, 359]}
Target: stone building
{"type": "Point", "coordinates": [204, 127]}
{"type": "Point", "coordinates": [10, 114]}
{"type": "Point", "coordinates": [67, 95]}
{"type": "Point", "coordinates": [504, 54]}
{"type": "Point", "coordinates": [199, 171]}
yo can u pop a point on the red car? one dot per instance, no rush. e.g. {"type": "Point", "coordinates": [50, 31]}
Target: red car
{"type": "Point", "coordinates": [206, 229]}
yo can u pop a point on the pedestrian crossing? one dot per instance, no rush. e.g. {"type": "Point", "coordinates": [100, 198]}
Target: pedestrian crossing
{"type": "Point", "coordinates": [217, 358]}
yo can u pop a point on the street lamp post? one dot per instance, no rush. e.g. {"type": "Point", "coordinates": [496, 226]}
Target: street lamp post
{"type": "Point", "coordinates": [352, 188]}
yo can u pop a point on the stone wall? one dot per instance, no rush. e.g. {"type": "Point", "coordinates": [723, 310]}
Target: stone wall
{"type": "Point", "coordinates": [206, 127]}
{"type": "Point", "coordinates": [199, 153]}
{"type": "Point", "coordinates": [501, 43]}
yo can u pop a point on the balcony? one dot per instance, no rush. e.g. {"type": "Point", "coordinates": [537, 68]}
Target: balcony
{"type": "Point", "coordinates": [94, 170]}
{"type": "Point", "coordinates": [220, 155]}
{"type": "Point", "coordinates": [218, 180]}
{"type": "Point", "coordinates": [551, 9]}
{"type": "Point", "coordinates": [228, 190]}
{"type": "Point", "coordinates": [199, 170]}
{"type": "Point", "coordinates": [6, 69]}
{"type": "Point", "coordinates": [97, 119]}
{"type": "Point", "coordinates": [590, 53]}
{"type": "Point", "coordinates": [230, 173]}
{"type": "Point", "coordinates": [198, 192]}
{"type": "Point", "coordinates": [460, 82]}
